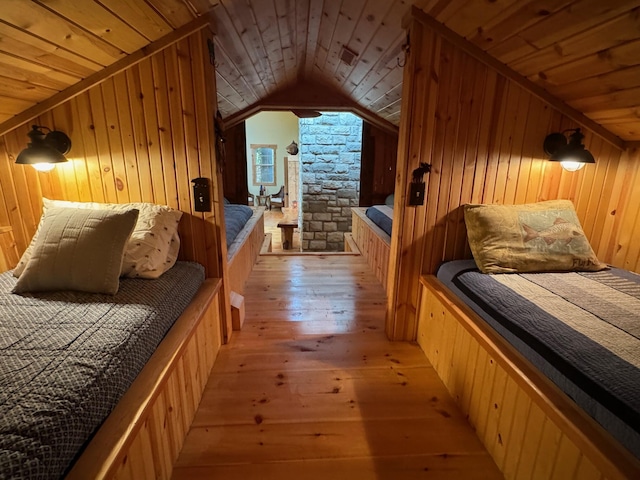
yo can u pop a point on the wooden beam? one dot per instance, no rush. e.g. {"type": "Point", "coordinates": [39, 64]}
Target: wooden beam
{"type": "Point", "coordinates": [313, 96]}
{"type": "Point", "coordinates": [501, 68]}
{"type": "Point", "coordinates": [104, 74]}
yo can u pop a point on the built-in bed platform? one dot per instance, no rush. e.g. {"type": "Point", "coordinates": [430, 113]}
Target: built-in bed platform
{"type": "Point", "coordinates": [69, 358]}
{"type": "Point", "coordinates": [515, 369]}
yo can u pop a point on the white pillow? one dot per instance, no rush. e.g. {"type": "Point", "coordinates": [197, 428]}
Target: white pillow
{"type": "Point", "coordinates": [78, 249]}
{"type": "Point", "coordinates": [147, 251]}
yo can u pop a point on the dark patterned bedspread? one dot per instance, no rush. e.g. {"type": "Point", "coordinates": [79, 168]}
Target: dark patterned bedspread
{"type": "Point", "coordinates": [66, 358]}
{"type": "Point", "coordinates": [581, 329]}
{"type": "Point", "coordinates": [235, 218]}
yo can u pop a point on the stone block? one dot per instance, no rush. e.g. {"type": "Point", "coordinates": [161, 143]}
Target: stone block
{"type": "Point", "coordinates": [342, 168]}
{"type": "Point", "coordinates": [346, 211]}
{"type": "Point", "coordinates": [335, 237]}
{"type": "Point", "coordinates": [315, 226]}
{"type": "Point", "coordinates": [338, 140]}
{"type": "Point", "coordinates": [322, 217]}
{"type": "Point", "coordinates": [307, 235]}
{"type": "Point", "coordinates": [344, 202]}
{"type": "Point", "coordinates": [343, 226]}
{"type": "Point", "coordinates": [331, 184]}
{"type": "Point", "coordinates": [308, 178]}
{"type": "Point", "coordinates": [320, 235]}
{"type": "Point", "coordinates": [335, 247]}
{"type": "Point", "coordinates": [316, 208]}
{"type": "Point", "coordinates": [330, 226]}
{"type": "Point", "coordinates": [317, 245]}
{"type": "Point", "coordinates": [322, 166]}
{"type": "Point", "coordinates": [330, 150]}
{"type": "Point", "coordinates": [332, 209]}
{"type": "Point", "coordinates": [324, 140]}
{"type": "Point", "coordinates": [307, 216]}
{"type": "Point", "coordinates": [305, 244]}
{"type": "Point", "coordinates": [347, 193]}
{"type": "Point", "coordinates": [314, 189]}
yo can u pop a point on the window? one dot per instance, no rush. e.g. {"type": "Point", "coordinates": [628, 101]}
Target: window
{"type": "Point", "coordinates": [264, 164]}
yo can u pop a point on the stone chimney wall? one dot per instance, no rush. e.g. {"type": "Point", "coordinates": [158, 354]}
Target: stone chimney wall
{"type": "Point", "coordinates": [331, 147]}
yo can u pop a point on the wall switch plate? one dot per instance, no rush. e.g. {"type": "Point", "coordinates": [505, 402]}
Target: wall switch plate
{"type": "Point", "coordinates": [416, 194]}
{"type": "Point", "coordinates": [201, 195]}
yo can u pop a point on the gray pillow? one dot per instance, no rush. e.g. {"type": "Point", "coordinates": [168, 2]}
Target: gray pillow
{"type": "Point", "coordinates": [78, 249]}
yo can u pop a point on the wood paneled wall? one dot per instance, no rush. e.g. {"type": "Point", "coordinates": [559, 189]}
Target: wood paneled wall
{"type": "Point", "coordinates": [140, 135]}
{"type": "Point", "coordinates": [378, 170]}
{"type": "Point", "coordinates": [482, 132]}
{"type": "Point", "coordinates": [234, 169]}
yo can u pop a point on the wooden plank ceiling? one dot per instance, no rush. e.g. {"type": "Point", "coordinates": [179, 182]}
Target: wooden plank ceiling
{"type": "Point", "coordinates": [585, 52]}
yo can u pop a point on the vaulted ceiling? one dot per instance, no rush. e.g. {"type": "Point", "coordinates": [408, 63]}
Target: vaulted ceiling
{"type": "Point", "coordinates": [585, 52]}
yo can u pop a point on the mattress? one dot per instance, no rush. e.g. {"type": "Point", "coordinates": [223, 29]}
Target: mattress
{"type": "Point", "coordinates": [235, 218]}
{"type": "Point", "coordinates": [382, 216]}
{"type": "Point", "coordinates": [581, 329]}
{"type": "Point", "coordinates": [66, 358]}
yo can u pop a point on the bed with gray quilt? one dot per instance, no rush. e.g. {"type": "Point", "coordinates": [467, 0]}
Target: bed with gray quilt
{"type": "Point", "coordinates": [382, 216]}
{"type": "Point", "coordinates": [66, 358]}
{"type": "Point", "coordinates": [581, 329]}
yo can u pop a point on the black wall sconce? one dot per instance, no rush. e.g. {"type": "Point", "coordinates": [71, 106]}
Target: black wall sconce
{"type": "Point", "coordinates": [45, 149]}
{"type": "Point", "coordinates": [571, 154]}
{"type": "Point", "coordinates": [416, 187]}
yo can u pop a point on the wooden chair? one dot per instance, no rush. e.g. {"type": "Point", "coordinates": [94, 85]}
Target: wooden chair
{"type": "Point", "coordinates": [251, 200]}
{"type": "Point", "coordinates": [277, 199]}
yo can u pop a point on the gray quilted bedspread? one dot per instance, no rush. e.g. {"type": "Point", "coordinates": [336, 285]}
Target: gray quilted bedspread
{"type": "Point", "coordinates": [66, 358]}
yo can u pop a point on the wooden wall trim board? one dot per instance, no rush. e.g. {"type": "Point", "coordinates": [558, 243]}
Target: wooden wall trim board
{"type": "Point", "coordinates": [143, 435]}
{"type": "Point", "coordinates": [482, 133]}
{"type": "Point", "coordinates": [530, 427]}
{"type": "Point", "coordinates": [527, 84]}
{"type": "Point", "coordinates": [107, 72]}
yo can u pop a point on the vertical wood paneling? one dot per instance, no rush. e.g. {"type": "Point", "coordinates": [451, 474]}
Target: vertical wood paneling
{"type": "Point", "coordinates": [141, 135]}
{"type": "Point", "coordinates": [483, 138]}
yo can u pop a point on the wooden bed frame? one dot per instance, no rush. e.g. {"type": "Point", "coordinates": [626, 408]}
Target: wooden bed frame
{"type": "Point", "coordinates": [374, 244]}
{"type": "Point", "coordinates": [244, 251]}
{"type": "Point", "coordinates": [144, 434]}
{"type": "Point", "coordinates": [528, 425]}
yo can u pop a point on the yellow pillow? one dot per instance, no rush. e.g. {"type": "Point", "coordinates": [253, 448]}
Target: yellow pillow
{"type": "Point", "coordinates": [536, 237]}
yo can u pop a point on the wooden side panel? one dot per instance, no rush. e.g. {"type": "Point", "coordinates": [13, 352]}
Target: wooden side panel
{"type": "Point", "coordinates": [244, 257]}
{"type": "Point", "coordinates": [144, 434]}
{"type": "Point", "coordinates": [530, 428]}
{"type": "Point", "coordinates": [372, 242]}
{"type": "Point", "coordinates": [483, 133]}
{"type": "Point", "coordinates": [141, 135]}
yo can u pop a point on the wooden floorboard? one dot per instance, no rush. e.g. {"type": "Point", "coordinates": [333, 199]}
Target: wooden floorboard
{"type": "Point", "coordinates": [311, 388]}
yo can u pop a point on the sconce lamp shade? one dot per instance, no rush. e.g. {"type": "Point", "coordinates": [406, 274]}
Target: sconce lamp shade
{"type": "Point", "coordinates": [47, 149]}
{"type": "Point", "coordinates": [572, 154]}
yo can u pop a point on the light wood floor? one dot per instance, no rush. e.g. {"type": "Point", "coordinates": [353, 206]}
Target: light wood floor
{"type": "Point", "coordinates": [312, 389]}
{"type": "Point", "coordinates": [271, 219]}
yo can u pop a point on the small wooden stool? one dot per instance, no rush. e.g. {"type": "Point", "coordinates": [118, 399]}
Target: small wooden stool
{"type": "Point", "coordinates": [286, 226]}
